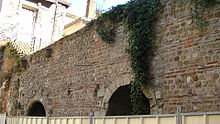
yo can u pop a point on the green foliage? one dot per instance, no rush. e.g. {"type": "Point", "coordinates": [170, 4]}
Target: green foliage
{"type": "Point", "coordinates": [198, 12]}
{"type": "Point", "coordinates": [199, 7]}
{"type": "Point", "coordinates": [106, 32]}
{"type": "Point", "coordinates": [107, 21]}
{"type": "Point", "coordinates": [137, 99]}
{"type": "Point", "coordinates": [13, 52]}
{"type": "Point", "coordinates": [18, 57]}
{"type": "Point", "coordinates": [138, 17]}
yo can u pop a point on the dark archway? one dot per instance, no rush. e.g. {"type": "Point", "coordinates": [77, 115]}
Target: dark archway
{"type": "Point", "coordinates": [120, 102]}
{"type": "Point", "coordinates": [36, 109]}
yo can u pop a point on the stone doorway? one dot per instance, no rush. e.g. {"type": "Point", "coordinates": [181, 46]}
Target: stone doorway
{"type": "Point", "coordinates": [120, 102]}
{"type": "Point", "coordinates": [36, 109]}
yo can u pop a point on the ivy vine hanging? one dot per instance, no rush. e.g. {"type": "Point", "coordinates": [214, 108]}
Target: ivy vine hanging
{"type": "Point", "coordinates": [138, 18]}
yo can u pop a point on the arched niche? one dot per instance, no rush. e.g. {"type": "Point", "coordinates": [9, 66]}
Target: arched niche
{"type": "Point", "coordinates": [120, 102]}
{"type": "Point", "coordinates": [36, 109]}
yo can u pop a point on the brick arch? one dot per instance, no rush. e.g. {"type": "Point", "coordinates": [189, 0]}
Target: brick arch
{"type": "Point", "coordinates": [111, 90]}
{"type": "Point", "coordinates": [120, 100]}
{"type": "Point", "coordinates": [120, 81]}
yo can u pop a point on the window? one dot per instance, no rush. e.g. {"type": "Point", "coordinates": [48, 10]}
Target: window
{"type": "Point", "coordinates": [27, 25]}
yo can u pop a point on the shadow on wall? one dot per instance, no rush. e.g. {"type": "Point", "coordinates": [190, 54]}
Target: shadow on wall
{"type": "Point", "coordinates": [120, 102]}
{"type": "Point", "coordinates": [36, 109]}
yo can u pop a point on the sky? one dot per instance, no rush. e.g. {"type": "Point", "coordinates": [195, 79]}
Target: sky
{"type": "Point", "coordinates": [78, 7]}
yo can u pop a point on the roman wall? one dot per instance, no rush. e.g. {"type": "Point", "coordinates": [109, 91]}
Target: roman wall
{"type": "Point", "coordinates": [79, 73]}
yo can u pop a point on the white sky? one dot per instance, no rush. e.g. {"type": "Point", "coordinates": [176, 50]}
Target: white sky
{"type": "Point", "coordinates": [78, 7]}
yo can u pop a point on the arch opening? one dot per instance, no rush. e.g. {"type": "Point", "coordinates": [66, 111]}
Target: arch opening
{"type": "Point", "coordinates": [37, 109]}
{"type": "Point", "coordinates": [120, 102]}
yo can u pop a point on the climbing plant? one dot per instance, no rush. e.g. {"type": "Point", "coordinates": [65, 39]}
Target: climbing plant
{"type": "Point", "coordinates": [198, 9]}
{"type": "Point", "coordinates": [198, 12]}
{"type": "Point", "coordinates": [138, 18]}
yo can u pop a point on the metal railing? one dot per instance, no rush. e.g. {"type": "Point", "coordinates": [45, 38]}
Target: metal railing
{"type": "Point", "coordinates": [186, 118]}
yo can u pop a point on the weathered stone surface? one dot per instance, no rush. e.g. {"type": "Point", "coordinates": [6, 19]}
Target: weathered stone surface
{"type": "Point", "coordinates": [83, 71]}
{"type": "Point", "coordinates": [186, 55]}
{"type": "Point", "coordinates": [74, 80]}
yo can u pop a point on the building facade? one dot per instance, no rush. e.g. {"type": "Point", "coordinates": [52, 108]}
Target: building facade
{"type": "Point", "coordinates": [32, 23]}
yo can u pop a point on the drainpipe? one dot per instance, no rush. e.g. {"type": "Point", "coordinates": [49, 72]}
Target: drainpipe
{"type": "Point", "coordinates": [54, 23]}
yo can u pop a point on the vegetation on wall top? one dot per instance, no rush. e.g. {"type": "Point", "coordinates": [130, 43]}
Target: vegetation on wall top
{"type": "Point", "coordinates": [138, 18]}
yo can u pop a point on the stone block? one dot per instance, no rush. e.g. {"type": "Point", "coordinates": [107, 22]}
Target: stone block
{"type": "Point", "coordinates": [158, 95]}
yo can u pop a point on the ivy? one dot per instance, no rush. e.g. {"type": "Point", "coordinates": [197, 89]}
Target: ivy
{"type": "Point", "coordinates": [21, 61]}
{"type": "Point", "coordinates": [138, 18]}
{"type": "Point", "coordinates": [198, 9]}
{"type": "Point", "coordinates": [13, 52]}
{"type": "Point", "coordinates": [198, 12]}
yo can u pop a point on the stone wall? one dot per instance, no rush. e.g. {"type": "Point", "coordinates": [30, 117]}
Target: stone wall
{"type": "Point", "coordinates": [186, 66]}
{"type": "Point", "coordinates": [73, 80]}
{"type": "Point", "coordinates": [79, 73]}
{"type": "Point", "coordinates": [8, 67]}
{"type": "Point", "coordinates": [1, 80]}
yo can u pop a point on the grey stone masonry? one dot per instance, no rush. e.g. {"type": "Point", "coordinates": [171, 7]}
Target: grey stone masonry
{"type": "Point", "coordinates": [79, 73]}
